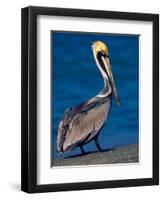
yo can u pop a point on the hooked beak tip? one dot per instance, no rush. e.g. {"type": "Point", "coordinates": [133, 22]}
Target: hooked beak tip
{"type": "Point", "coordinates": [118, 103]}
{"type": "Point", "coordinates": [117, 100]}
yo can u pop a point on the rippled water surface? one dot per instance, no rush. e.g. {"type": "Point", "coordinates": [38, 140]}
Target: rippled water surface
{"type": "Point", "coordinates": [75, 78]}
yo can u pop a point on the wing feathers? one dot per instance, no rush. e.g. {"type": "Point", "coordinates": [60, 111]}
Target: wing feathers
{"type": "Point", "coordinates": [84, 125]}
{"type": "Point", "coordinates": [80, 124]}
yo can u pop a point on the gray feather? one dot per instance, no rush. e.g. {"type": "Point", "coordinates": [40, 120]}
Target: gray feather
{"type": "Point", "coordinates": [82, 123]}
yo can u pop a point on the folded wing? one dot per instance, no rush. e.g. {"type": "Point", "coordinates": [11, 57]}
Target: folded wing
{"type": "Point", "coordinates": [79, 126]}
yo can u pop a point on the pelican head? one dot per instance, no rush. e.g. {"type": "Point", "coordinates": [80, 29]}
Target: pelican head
{"type": "Point", "coordinates": [101, 56]}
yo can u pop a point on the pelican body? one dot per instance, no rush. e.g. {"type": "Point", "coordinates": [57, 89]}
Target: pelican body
{"type": "Point", "coordinates": [83, 123]}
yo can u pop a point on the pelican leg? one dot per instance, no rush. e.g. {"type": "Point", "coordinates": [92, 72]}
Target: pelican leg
{"type": "Point", "coordinates": [97, 143]}
{"type": "Point", "coordinates": [82, 150]}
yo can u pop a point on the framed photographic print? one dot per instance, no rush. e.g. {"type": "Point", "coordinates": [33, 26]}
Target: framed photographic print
{"type": "Point", "coordinates": [90, 99]}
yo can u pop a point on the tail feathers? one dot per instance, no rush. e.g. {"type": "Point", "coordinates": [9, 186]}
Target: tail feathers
{"type": "Point", "coordinates": [59, 150]}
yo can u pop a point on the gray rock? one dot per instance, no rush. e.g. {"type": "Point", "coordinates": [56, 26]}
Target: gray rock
{"type": "Point", "coordinates": [125, 154]}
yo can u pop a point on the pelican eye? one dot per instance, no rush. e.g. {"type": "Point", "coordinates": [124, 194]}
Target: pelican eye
{"type": "Point", "coordinates": [103, 53]}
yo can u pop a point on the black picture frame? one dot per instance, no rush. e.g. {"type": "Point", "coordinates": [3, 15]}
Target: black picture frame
{"type": "Point", "coordinates": [29, 98]}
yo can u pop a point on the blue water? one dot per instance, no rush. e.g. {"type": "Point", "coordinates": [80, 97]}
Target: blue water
{"type": "Point", "coordinates": [75, 78]}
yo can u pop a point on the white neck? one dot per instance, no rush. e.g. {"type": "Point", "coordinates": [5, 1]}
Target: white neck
{"type": "Point", "coordinates": [107, 87]}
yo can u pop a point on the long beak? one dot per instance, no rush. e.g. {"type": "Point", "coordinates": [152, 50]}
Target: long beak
{"type": "Point", "coordinates": [111, 78]}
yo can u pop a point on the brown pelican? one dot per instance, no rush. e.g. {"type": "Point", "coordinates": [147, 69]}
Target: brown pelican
{"type": "Point", "coordinates": [83, 123]}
